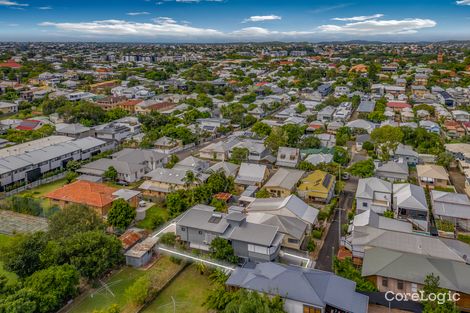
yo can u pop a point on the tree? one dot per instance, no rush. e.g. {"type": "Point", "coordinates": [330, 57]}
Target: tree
{"type": "Point", "coordinates": [92, 253]}
{"type": "Point", "coordinates": [346, 269]}
{"type": "Point", "coordinates": [139, 291]}
{"type": "Point", "coordinates": [261, 129]}
{"type": "Point", "coordinates": [53, 286]}
{"type": "Point", "coordinates": [431, 286]}
{"type": "Point", "coordinates": [389, 214]}
{"type": "Point", "coordinates": [121, 214]}
{"type": "Point", "coordinates": [168, 239]}
{"type": "Point", "coordinates": [74, 219]}
{"type": "Point", "coordinates": [277, 138]}
{"type": "Point", "coordinates": [387, 138]}
{"type": "Point", "coordinates": [221, 249]}
{"type": "Point", "coordinates": [239, 155]}
{"type": "Point", "coordinates": [22, 256]}
{"type": "Point", "coordinates": [190, 178]}
{"type": "Point", "coordinates": [70, 176]}
{"type": "Point", "coordinates": [310, 142]}
{"type": "Point", "coordinates": [341, 156]}
{"type": "Point", "coordinates": [343, 135]}
{"type": "Point", "coordinates": [363, 169]}
{"type": "Point", "coordinates": [253, 302]}
{"type": "Point", "coordinates": [263, 193]}
{"type": "Point", "coordinates": [111, 174]}
{"type": "Point", "coordinates": [376, 116]}
{"type": "Point", "coordinates": [444, 159]}
{"type": "Point", "coordinates": [300, 108]}
{"type": "Point", "coordinates": [294, 133]}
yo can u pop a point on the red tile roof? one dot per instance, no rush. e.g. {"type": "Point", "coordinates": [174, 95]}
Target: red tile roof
{"type": "Point", "coordinates": [84, 192]}
{"type": "Point", "coordinates": [28, 125]}
{"type": "Point", "coordinates": [398, 105]}
{"type": "Point", "coordinates": [10, 64]}
{"type": "Point", "coordinates": [224, 196]}
{"type": "Point", "coordinates": [130, 238]}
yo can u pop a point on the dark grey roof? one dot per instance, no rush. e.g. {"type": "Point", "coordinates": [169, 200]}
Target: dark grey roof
{"type": "Point", "coordinates": [303, 285]}
{"type": "Point", "coordinates": [254, 233]}
{"type": "Point", "coordinates": [199, 219]}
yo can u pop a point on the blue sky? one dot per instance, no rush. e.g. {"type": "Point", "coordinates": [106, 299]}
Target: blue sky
{"type": "Point", "coordinates": [233, 20]}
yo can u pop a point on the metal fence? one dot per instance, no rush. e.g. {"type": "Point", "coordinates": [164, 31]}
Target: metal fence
{"type": "Point", "coordinates": [32, 185]}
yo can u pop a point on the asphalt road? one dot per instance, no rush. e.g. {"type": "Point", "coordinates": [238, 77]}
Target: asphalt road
{"type": "Point", "coordinates": [331, 245]}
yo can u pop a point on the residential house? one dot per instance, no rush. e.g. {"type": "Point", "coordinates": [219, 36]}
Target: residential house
{"type": "Point", "coordinates": [392, 171]}
{"type": "Point", "coordinates": [303, 290]}
{"type": "Point", "coordinates": [460, 115]}
{"type": "Point", "coordinates": [360, 140]}
{"type": "Point", "coordinates": [73, 130]}
{"type": "Point", "coordinates": [326, 114]}
{"type": "Point", "coordinates": [8, 107]}
{"type": "Point", "coordinates": [409, 203]}
{"type": "Point", "coordinates": [430, 126]}
{"type": "Point", "coordinates": [251, 175]}
{"type": "Point", "coordinates": [431, 175]}
{"type": "Point", "coordinates": [192, 164]}
{"type": "Point", "coordinates": [405, 153]}
{"type": "Point", "coordinates": [454, 129]}
{"type": "Point", "coordinates": [319, 186]}
{"type": "Point", "coordinates": [453, 207]}
{"type": "Point", "coordinates": [288, 157]}
{"type": "Point", "coordinates": [201, 224]}
{"type": "Point", "coordinates": [162, 181]}
{"type": "Point", "coordinates": [168, 145]}
{"type": "Point", "coordinates": [95, 195]}
{"type": "Point", "coordinates": [131, 164]}
{"type": "Point", "coordinates": [283, 182]}
{"type": "Point", "coordinates": [229, 169]}
{"type": "Point", "coordinates": [375, 194]}
{"type": "Point", "coordinates": [327, 140]}
{"type": "Point", "coordinates": [361, 124]}
{"type": "Point", "coordinates": [319, 158]}
{"type": "Point", "coordinates": [366, 107]}
{"type": "Point", "coordinates": [405, 272]}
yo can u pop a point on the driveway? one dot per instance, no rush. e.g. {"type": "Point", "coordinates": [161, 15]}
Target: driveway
{"type": "Point", "coordinates": [331, 245]}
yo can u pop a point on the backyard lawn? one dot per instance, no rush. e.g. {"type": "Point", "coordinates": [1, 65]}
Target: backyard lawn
{"type": "Point", "coordinates": [101, 298]}
{"type": "Point", "coordinates": [40, 191]}
{"type": "Point", "coordinates": [153, 214]}
{"type": "Point", "coordinates": [4, 241]}
{"type": "Point", "coordinates": [189, 291]}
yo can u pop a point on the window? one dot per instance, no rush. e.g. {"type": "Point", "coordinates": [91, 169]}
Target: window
{"type": "Point", "coordinates": [400, 284]}
{"type": "Point", "coordinates": [183, 228]}
{"type": "Point", "coordinates": [311, 309]}
{"type": "Point", "coordinates": [200, 232]}
{"type": "Point", "coordinates": [291, 240]}
{"type": "Point", "coordinates": [384, 281]}
{"type": "Point", "coordinates": [414, 287]}
{"type": "Point", "coordinates": [364, 204]}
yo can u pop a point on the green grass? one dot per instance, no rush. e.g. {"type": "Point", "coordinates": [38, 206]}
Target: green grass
{"type": "Point", "coordinates": [189, 290]}
{"type": "Point", "coordinates": [118, 284]}
{"type": "Point", "coordinates": [152, 214]}
{"type": "Point", "coordinates": [464, 238]}
{"type": "Point", "coordinates": [42, 190]}
{"type": "Point", "coordinates": [444, 225]}
{"type": "Point", "coordinates": [4, 242]}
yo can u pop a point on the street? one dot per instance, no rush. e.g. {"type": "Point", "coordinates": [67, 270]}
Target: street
{"type": "Point", "coordinates": [331, 245]}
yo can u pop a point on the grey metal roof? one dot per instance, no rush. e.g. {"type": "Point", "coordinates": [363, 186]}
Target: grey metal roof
{"type": "Point", "coordinates": [252, 233]}
{"type": "Point", "coordinates": [367, 186]}
{"type": "Point", "coordinates": [303, 285]}
{"type": "Point", "coordinates": [412, 267]}
{"type": "Point", "coordinates": [410, 197]}
{"type": "Point", "coordinates": [199, 219]}
{"type": "Point", "coordinates": [285, 178]}
{"type": "Point", "coordinates": [450, 204]}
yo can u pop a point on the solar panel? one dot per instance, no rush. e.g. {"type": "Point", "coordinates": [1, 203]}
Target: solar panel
{"type": "Point", "coordinates": [326, 181]}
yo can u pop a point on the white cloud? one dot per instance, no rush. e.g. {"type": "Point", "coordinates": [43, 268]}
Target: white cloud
{"type": "Point", "coordinates": [12, 3]}
{"type": "Point", "coordinates": [138, 13]}
{"type": "Point", "coordinates": [463, 2]}
{"type": "Point", "coordinates": [379, 27]}
{"type": "Point", "coordinates": [261, 18]}
{"type": "Point", "coordinates": [358, 18]}
{"type": "Point", "coordinates": [161, 27]}
{"type": "Point", "coordinates": [45, 8]}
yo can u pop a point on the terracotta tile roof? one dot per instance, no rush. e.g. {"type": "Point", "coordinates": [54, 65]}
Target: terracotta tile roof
{"type": "Point", "coordinates": [10, 64]}
{"type": "Point", "coordinates": [28, 125]}
{"type": "Point", "coordinates": [224, 196]}
{"type": "Point", "coordinates": [84, 192]}
{"type": "Point", "coordinates": [398, 105]}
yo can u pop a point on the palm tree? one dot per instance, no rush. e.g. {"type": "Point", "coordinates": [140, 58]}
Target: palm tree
{"type": "Point", "coordinates": [190, 178]}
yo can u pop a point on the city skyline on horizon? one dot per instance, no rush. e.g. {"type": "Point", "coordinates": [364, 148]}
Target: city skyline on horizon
{"type": "Point", "coordinates": [232, 21]}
